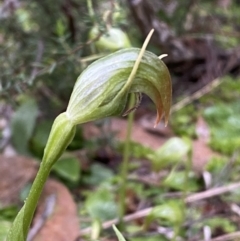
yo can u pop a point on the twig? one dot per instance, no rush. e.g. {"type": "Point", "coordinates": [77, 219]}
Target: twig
{"type": "Point", "coordinates": [198, 94]}
{"type": "Point", "coordinates": [235, 208]}
{"type": "Point", "coordinates": [190, 199]}
{"type": "Point", "coordinates": [212, 192]}
{"type": "Point", "coordinates": [226, 237]}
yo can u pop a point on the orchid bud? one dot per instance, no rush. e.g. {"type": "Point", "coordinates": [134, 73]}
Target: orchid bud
{"type": "Point", "coordinates": [61, 135]}
{"type": "Point", "coordinates": [102, 89]}
{"type": "Point", "coordinates": [114, 39]}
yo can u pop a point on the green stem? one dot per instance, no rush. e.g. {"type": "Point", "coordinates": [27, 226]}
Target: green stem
{"type": "Point", "coordinates": [90, 9]}
{"type": "Point", "coordinates": [60, 136]}
{"type": "Point", "coordinates": [125, 164]}
{"type": "Point", "coordinates": [34, 194]}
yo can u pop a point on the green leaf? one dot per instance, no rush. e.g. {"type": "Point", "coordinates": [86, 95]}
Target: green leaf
{"type": "Point", "coordinates": [68, 167]}
{"type": "Point", "coordinates": [224, 121]}
{"type": "Point", "coordinates": [98, 174]}
{"type": "Point", "coordinates": [216, 164]}
{"type": "Point", "coordinates": [40, 137]}
{"type": "Point", "coordinates": [22, 125]}
{"type": "Point", "coordinates": [172, 213]}
{"type": "Point", "coordinates": [219, 222]}
{"type": "Point", "coordinates": [173, 151]}
{"type": "Point", "coordinates": [182, 181]}
{"type": "Point", "coordinates": [101, 205]}
{"type": "Point", "coordinates": [119, 235]}
{"type": "Point", "coordinates": [183, 121]}
{"type": "Point", "coordinates": [8, 213]}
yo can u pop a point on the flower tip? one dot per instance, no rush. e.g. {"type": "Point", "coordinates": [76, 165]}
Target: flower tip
{"type": "Point", "coordinates": [166, 122]}
{"type": "Point", "coordinates": [159, 117]}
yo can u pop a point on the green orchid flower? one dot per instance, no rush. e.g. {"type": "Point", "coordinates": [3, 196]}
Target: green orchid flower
{"type": "Point", "coordinates": [101, 91]}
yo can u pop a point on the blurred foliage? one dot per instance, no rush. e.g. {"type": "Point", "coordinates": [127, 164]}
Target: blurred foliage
{"type": "Point", "coordinates": [171, 152]}
{"type": "Point", "coordinates": [8, 213]}
{"type": "Point", "coordinates": [44, 45]}
{"type": "Point", "coordinates": [97, 174]}
{"type": "Point", "coordinates": [221, 110]}
{"type": "Point", "coordinates": [221, 223]}
{"type": "Point", "coordinates": [68, 168]}
{"type": "Point", "coordinates": [171, 212]}
{"type": "Point", "coordinates": [216, 164]}
{"type": "Point", "coordinates": [101, 205]}
{"type": "Point", "coordinates": [182, 181]}
{"type": "Point", "coordinates": [183, 121]}
{"type": "Point", "coordinates": [202, 18]}
{"type": "Point", "coordinates": [22, 125]}
{"type": "Point", "coordinates": [224, 121]}
{"type": "Point", "coordinates": [137, 149]}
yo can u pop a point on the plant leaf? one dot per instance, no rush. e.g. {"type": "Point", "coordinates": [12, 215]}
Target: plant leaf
{"type": "Point", "coordinates": [170, 153]}
{"type": "Point", "coordinates": [119, 235]}
{"type": "Point", "coordinates": [68, 167]}
{"type": "Point", "coordinates": [172, 212]}
{"type": "Point", "coordinates": [101, 205]}
{"type": "Point", "coordinates": [23, 123]}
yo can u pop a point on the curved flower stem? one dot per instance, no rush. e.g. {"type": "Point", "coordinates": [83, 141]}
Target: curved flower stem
{"type": "Point", "coordinates": [125, 164]}
{"type": "Point", "coordinates": [34, 194]}
{"type": "Point", "coordinates": [61, 135]}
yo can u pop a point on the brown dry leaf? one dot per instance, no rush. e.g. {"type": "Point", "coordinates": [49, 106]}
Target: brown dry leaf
{"type": "Point", "coordinates": [119, 126]}
{"type": "Point", "coordinates": [15, 173]}
{"type": "Point", "coordinates": [201, 151]}
{"type": "Point", "coordinates": [139, 134]}
{"type": "Point", "coordinates": [62, 223]}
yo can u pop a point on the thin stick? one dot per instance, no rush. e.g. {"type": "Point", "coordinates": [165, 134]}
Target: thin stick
{"type": "Point", "coordinates": [226, 237]}
{"type": "Point", "coordinates": [212, 192]}
{"type": "Point", "coordinates": [190, 199]}
{"type": "Point", "coordinates": [198, 94]}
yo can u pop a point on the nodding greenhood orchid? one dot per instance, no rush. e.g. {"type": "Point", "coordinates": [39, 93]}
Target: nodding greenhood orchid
{"type": "Point", "coordinates": [101, 91]}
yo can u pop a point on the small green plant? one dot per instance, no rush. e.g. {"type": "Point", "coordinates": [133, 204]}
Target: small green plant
{"type": "Point", "coordinates": [101, 91]}
{"type": "Point", "coordinates": [119, 235]}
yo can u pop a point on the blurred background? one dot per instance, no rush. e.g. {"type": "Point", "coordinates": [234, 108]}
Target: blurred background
{"type": "Point", "coordinates": [45, 45]}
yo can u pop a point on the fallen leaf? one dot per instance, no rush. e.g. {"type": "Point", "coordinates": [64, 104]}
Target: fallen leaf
{"type": "Point", "coordinates": [139, 134]}
{"type": "Point", "coordinates": [201, 151]}
{"type": "Point", "coordinates": [15, 173]}
{"type": "Point", "coordinates": [119, 127]}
